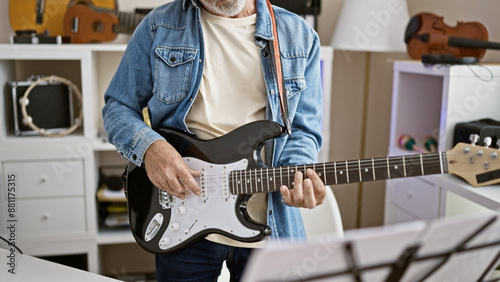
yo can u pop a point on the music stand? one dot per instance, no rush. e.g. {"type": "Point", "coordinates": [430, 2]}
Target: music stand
{"type": "Point", "coordinates": [448, 249]}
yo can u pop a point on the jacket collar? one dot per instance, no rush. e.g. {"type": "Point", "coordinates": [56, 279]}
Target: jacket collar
{"type": "Point", "coordinates": [263, 28]}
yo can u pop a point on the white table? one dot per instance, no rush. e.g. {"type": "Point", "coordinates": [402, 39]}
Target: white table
{"type": "Point", "coordinates": [28, 268]}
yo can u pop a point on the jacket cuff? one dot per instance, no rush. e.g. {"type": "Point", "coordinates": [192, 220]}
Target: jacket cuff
{"type": "Point", "coordinates": [139, 145]}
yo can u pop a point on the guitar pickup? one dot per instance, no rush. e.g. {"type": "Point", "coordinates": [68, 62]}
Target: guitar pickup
{"type": "Point", "coordinates": [225, 184]}
{"type": "Point", "coordinates": [203, 186]}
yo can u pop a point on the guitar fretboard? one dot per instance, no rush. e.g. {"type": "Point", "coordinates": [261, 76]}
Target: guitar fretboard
{"type": "Point", "coordinates": [127, 21]}
{"type": "Point", "coordinates": [332, 173]}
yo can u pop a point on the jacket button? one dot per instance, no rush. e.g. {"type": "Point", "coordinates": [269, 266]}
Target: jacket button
{"type": "Point", "coordinates": [172, 60]}
{"type": "Point", "coordinates": [265, 54]}
{"type": "Point", "coordinates": [134, 157]}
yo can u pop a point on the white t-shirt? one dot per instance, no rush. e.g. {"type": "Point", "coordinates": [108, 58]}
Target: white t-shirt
{"type": "Point", "coordinates": [222, 105]}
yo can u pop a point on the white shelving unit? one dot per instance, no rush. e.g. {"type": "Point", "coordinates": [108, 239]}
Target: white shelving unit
{"type": "Point", "coordinates": [430, 101]}
{"type": "Point", "coordinates": [57, 177]}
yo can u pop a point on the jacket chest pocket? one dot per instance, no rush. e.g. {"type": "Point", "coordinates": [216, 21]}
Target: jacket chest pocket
{"type": "Point", "coordinates": [173, 73]}
{"type": "Point", "coordinates": [294, 87]}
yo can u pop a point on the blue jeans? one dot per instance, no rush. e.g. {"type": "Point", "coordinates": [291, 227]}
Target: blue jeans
{"type": "Point", "coordinates": [201, 261]}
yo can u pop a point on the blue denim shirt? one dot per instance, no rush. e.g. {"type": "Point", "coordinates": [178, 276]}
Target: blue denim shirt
{"type": "Point", "coordinates": [162, 68]}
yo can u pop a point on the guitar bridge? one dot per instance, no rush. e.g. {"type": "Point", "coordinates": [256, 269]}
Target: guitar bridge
{"type": "Point", "coordinates": [166, 200]}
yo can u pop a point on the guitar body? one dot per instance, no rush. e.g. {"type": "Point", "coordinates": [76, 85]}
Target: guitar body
{"type": "Point", "coordinates": [161, 223]}
{"type": "Point", "coordinates": [45, 15]}
{"type": "Point", "coordinates": [82, 24]}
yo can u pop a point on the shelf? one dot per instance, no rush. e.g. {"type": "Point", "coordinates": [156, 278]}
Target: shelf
{"type": "Point", "coordinates": [55, 52]}
{"type": "Point", "coordinates": [487, 196]}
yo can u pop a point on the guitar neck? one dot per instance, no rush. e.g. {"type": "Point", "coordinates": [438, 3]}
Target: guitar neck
{"type": "Point", "coordinates": [127, 21]}
{"type": "Point", "coordinates": [260, 180]}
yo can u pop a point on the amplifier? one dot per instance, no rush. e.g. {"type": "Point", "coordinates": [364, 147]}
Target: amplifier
{"type": "Point", "coordinates": [483, 127]}
{"type": "Point", "coordinates": [50, 106]}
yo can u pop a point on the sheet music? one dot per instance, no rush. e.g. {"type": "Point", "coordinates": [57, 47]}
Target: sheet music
{"type": "Point", "coordinates": [443, 253]}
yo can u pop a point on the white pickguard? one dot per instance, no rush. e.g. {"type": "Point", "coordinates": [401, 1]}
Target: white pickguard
{"type": "Point", "coordinates": [214, 209]}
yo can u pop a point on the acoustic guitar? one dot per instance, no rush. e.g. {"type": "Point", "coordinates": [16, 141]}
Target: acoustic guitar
{"type": "Point", "coordinates": [88, 23]}
{"type": "Point", "coordinates": [232, 171]}
{"type": "Point", "coordinates": [46, 16]}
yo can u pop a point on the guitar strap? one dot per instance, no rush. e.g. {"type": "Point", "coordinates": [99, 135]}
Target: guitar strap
{"type": "Point", "coordinates": [276, 58]}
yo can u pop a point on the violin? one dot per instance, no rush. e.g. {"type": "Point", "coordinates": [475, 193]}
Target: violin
{"type": "Point", "coordinates": [427, 33]}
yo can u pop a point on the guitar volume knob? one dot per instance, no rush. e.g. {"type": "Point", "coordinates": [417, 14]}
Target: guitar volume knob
{"type": "Point", "coordinates": [164, 242]}
{"type": "Point", "coordinates": [175, 226]}
{"type": "Point", "coordinates": [182, 209]}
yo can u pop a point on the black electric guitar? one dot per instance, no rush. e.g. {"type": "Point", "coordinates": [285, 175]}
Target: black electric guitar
{"type": "Point", "coordinates": [232, 171]}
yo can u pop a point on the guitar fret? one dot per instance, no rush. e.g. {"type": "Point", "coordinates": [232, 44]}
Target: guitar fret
{"type": "Point", "coordinates": [261, 181]}
{"type": "Point", "coordinates": [281, 176]}
{"type": "Point", "coordinates": [241, 182]}
{"type": "Point", "coordinates": [335, 171]}
{"type": "Point", "coordinates": [404, 166]}
{"type": "Point", "coordinates": [314, 168]}
{"type": "Point", "coordinates": [238, 181]}
{"type": "Point", "coordinates": [246, 183]}
{"type": "Point", "coordinates": [359, 166]}
{"type": "Point", "coordinates": [232, 181]}
{"type": "Point", "coordinates": [373, 168]}
{"type": "Point", "coordinates": [274, 178]}
{"type": "Point", "coordinates": [441, 162]}
{"type": "Point", "coordinates": [288, 177]}
{"type": "Point", "coordinates": [324, 173]}
{"type": "Point", "coordinates": [388, 170]}
{"type": "Point", "coordinates": [256, 182]}
{"type": "Point", "coordinates": [347, 171]}
{"type": "Point", "coordinates": [267, 175]}
{"type": "Point", "coordinates": [250, 181]}
{"type": "Point", "coordinates": [422, 165]}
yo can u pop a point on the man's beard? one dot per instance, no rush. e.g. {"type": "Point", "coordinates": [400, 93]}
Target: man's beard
{"type": "Point", "coordinates": [228, 9]}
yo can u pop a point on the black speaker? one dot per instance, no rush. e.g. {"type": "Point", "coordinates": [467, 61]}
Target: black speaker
{"type": "Point", "coordinates": [50, 106]}
{"type": "Point", "coordinates": [483, 127]}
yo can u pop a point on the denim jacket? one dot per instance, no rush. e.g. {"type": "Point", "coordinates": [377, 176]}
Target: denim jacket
{"type": "Point", "coordinates": [162, 68]}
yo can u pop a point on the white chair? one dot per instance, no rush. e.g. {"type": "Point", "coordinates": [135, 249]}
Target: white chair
{"type": "Point", "coordinates": [323, 219]}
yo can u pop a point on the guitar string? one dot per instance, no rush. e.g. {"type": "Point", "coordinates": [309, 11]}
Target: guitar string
{"type": "Point", "coordinates": [353, 166]}
{"type": "Point", "coordinates": [431, 160]}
